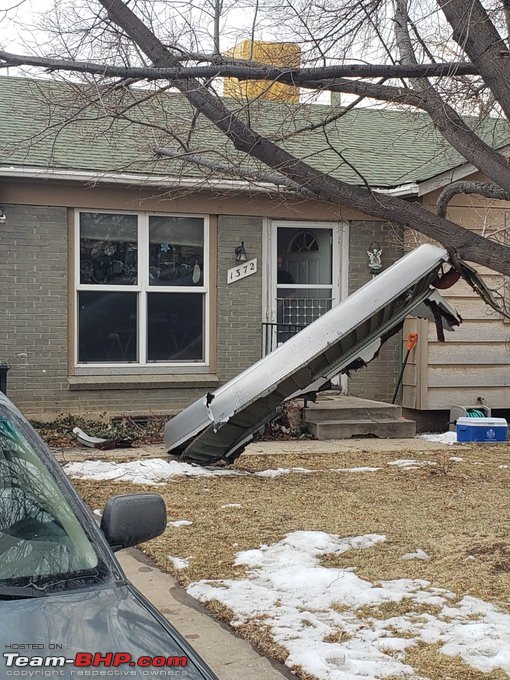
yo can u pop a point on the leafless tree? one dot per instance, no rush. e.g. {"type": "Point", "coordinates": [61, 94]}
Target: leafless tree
{"type": "Point", "coordinates": [443, 57]}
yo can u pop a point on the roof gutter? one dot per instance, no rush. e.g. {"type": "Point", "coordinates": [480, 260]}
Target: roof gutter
{"type": "Point", "coordinates": [402, 190]}
{"type": "Point", "coordinates": [167, 181]}
{"type": "Point", "coordinates": [162, 181]}
{"type": "Point", "coordinates": [454, 174]}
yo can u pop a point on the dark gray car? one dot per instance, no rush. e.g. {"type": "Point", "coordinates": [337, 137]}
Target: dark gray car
{"type": "Point", "coordinates": [66, 608]}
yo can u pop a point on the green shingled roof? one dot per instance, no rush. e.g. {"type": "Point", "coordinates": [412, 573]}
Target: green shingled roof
{"type": "Point", "coordinates": [384, 148]}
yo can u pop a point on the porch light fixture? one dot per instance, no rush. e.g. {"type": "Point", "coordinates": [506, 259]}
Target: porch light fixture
{"type": "Point", "coordinates": [240, 253]}
{"type": "Point", "coordinates": [3, 218]}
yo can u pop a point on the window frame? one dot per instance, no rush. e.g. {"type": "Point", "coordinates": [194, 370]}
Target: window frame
{"type": "Point", "coordinates": [142, 288]}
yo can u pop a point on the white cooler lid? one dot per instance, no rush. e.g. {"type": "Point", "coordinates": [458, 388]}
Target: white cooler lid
{"type": "Point", "coordinates": [482, 422]}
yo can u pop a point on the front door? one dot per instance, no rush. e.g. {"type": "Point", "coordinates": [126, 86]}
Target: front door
{"type": "Point", "coordinates": [307, 272]}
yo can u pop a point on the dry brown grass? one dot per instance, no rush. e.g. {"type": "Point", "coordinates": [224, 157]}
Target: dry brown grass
{"type": "Point", "coordinates": [389, 610]}
{"type": "Point", "coordinates": [339, 635]}
{"type": "Point", "coordinates": [428, 661]}
{"type": "Point", "coordinates": [457, 512]}
{"type": "Point", "coordinates": [259, 634]}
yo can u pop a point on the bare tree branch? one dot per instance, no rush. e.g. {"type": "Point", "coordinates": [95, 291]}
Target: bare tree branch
{"type": "Point", "coordinates": [452, 126]}
{"type": "Point", "coordinates": [465, 187]}
{"type": "Point", "coordinates": [238, 68]}
{"type": "Point", "coordinates": [183, 69]}
{"type": "Point", "coordinates": [466, 244]}
{"type": "Point", "coordinates": [237, 171]}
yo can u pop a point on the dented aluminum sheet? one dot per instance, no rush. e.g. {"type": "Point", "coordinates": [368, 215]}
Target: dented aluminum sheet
{"type": "Point", "coordinates": [347, 337]}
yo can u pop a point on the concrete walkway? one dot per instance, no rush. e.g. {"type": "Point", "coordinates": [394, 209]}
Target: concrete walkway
{"type": "Point", "coordinates": [273, 448]}
{"type": "Point", "coordinates": [230, 657]}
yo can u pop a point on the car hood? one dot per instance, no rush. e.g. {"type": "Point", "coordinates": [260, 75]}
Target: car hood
{"type": "Point", "coordinates": [116, 619]}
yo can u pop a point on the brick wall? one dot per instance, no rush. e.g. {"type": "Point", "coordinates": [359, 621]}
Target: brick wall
{"type": "Point", "coordinates": [239, 303]}
{"type": "Point", "coordinates": [379, 378]}
{"type": "Point", "coordinates": [34, 301]}
{"type": "Point", "coordinates": [34, 334]}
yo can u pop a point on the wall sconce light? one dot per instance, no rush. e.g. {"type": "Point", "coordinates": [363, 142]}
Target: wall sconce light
{"type": "Point", "coordinates": [3, 218]}
{"type": "Point", "coordinates": [240, 253]}
{"type": "Point", "coordinates": [374, 253]}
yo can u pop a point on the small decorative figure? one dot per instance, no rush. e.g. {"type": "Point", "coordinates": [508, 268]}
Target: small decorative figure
{"type": "Point", "coordinates": [195, 277]}
{"type": "Point", "coordinates": [374, 253]}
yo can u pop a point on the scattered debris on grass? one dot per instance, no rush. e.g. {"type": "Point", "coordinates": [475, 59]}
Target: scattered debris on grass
{"type": "Point", "coordinates": [286, 426]}
{"type": "Point", "coordinates": [59, 432]}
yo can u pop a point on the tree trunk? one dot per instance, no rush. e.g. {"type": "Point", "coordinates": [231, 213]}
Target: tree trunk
{"type": "Point", "coordinates": [475, 33]}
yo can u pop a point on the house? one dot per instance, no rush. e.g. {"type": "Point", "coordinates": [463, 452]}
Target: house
{"type": "Point", "coordinates": [115, 260]}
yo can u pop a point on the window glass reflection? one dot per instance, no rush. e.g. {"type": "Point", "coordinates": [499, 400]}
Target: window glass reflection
{"type": "Point", "coordinates": [107, 327]}
{"type": "Point", "coordinates": [176, 251]}
{"type": "Point", "coordinates": [108, 249]}
{"type": "Point", "coordinates": [39, 534]}
{"type": "Point", "coordinates": [305, 256]}
{"type": "Point", "coordinates": [174, 327]}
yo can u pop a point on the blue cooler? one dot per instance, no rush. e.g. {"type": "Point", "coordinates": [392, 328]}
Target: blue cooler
{"type": "Point", "coordinates": [481, 429]}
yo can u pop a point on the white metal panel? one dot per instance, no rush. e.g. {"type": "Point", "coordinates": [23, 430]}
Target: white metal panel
{"type": "Point", "coordinates": [349, 333]}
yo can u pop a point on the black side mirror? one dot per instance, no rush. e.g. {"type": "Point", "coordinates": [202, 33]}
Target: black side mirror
{"type": "Point", "coordinates": [129, 520]}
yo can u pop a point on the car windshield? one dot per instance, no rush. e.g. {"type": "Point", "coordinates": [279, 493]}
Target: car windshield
{"type": "Point", "coordinates": [42, 542]}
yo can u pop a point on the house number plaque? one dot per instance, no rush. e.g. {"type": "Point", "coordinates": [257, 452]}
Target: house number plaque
{"type": "Point", "coordinates": [242, 271]}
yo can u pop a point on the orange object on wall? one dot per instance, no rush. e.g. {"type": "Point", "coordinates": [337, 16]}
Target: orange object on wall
{"type": "Point", "coordinates": [412, 339]}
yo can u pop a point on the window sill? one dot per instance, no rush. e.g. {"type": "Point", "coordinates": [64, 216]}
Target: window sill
{"type": "Point", "coordinates": [141, 382]}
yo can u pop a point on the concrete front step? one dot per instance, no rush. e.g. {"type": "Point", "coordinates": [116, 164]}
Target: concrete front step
{"type": "Point", "coordinates": [393, 428]}
{"type": "Point", "coordinates": [338, 410]}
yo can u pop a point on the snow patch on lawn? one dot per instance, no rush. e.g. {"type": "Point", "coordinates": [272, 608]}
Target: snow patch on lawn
{"type": "Point", "coordinates": [179, 562]}
{"type": "Point", "coordinates": [304, 602]}
{"type": "Point", "coordinates": [282, 471]}
{"type": "Point", "coordinates": [180, 523]}
{"type": "Point", "coordinates": [155, 471]}
{"type": "Point", "coordinates": [357, 469]}
{"type": "Point", "coordinates": [152, 471]}
{"type": "Point", "coordinates": [408, 464]}
{"type": "Point", "coordinates": [418, 555]}
{"type": "Point", "coordinates": [449, 437]}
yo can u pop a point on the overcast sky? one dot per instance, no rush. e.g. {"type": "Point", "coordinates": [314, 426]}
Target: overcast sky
{"type": "Point", "coordinates": [17, 19]}
{"type": "Point", "coordinates": [20, 19]}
